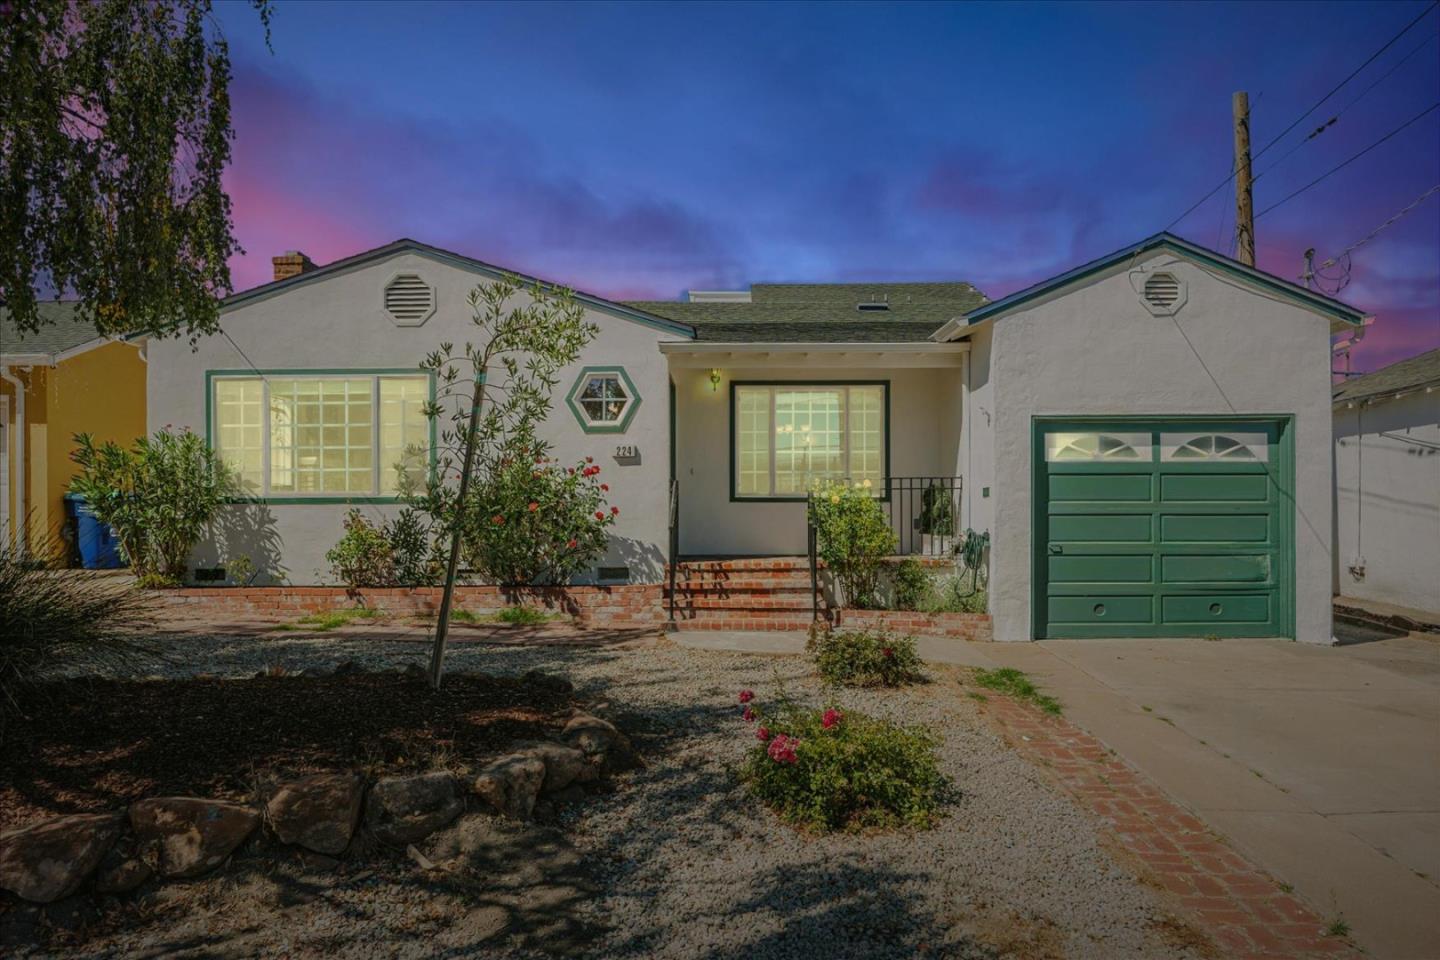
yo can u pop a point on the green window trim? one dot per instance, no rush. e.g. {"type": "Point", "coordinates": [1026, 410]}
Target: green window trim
{"type": "Point", "coordinates": [572, 399]}
{"type": "Point", "coordinates": [736, 497]}
{"type": "Point", "coordinates": [336, 372]}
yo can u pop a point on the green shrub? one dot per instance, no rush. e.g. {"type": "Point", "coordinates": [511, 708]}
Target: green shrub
{"type": "Point", "coordinates": [937, 511]}
{"type": "Point", "coordinates": [531, 521]}
{"type": "Point", "coordinates": [912, 584]}
{"type": "Point", "coordinates": [863, 658]}
{"type": "Point", "coordinates": [833, 770]}
{"type": "Point", "coordinates": [363, 557]}
{"type": "Point", "coordinates": [46, 615]}
{"type": "Point", "coordinates": [853, 537]}
{"type": "Point", "coordinates": [158, 496]}
{"type": "Point", "coordinates": [419, 558]}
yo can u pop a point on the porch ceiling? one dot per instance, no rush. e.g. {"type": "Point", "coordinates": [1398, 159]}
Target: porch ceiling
{"type": "Point", "coordinates": [693, 354]}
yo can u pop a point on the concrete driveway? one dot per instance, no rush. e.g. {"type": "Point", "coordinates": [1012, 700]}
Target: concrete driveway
{"type": "Point", "coordinates": [1320, 763]}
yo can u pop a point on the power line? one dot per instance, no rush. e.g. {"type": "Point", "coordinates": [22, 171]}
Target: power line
{"type": "Point", "coordinates": [1371, 235]}
{"type": "Point", "coordinates": [1219, 186]}
{"type": "Point", "coordinates": [1345, 163]}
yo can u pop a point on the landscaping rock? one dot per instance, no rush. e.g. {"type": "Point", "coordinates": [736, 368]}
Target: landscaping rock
{"type": "Point", "coordinates": [319, 813]}
{"type": "Point", "coordinates": [563, 765]}
{"type": "Point", "coordinates": [188, 836]}
{"type": "Point", "coordinates": [49, 860]}
{"type": "Point", "coordinates": [600, 739]}
{"type": "Point", "coordinates": [122, 877]}
{"type": "Point", "coordinates": [405, 809]}
{"type": "Point", "coordinates": [511, 784]}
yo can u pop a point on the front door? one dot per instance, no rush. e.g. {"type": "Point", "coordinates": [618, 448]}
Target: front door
{"type": "Point", "coordinates": [1163, 528]}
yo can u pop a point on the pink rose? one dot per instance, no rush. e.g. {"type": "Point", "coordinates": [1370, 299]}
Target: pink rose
{"type": "Point", "coordinates": [831, 718]}
{"type": "Point", "coordinates": [762, 734]}
{"type": "Point", "coordinates": [749, 713]}
{"type": "Point", "coordinates": [747, 695]}
{"type": "Point", "coordinates": [782, 749]}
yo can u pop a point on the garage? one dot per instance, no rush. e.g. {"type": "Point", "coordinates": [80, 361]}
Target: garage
{"type": "Point", "coordinates": [1163, 527]}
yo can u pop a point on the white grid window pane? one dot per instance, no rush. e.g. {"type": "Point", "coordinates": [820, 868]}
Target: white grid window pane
{"type": "Point", "coordinates": [321, 435]}
{"type": "Point", "coordinates": [867, 434]}
{"type": "Point", "coordinates": [604, 398]}
{"type": "Point", "coordinates": [239, 430]}
{"type": "Point", "coordinates": [809, 438]}
{"type": "Point", "coordinates": [404, 431]}
{"type": "Point", "coordinates": [752, 440]}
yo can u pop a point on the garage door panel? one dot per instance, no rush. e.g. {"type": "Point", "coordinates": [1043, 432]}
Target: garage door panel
{"type": "Point", "coordinates": [1101, 528]}
{"type": "Point", "coordinates": [1201, 487]}
{"type": "Point", "coordinates": [1102, 610]}
{"type": "Point", "coordinates": [1213, 568]}
{"type": "Point", "coordinates": [1216, 608]}
{"type": "Point", "coordinates": [1101, 487]}
{"type": "Point", "coordinates": [1102, 568]}
{"type": "Point", "coordinates": [1215, 528]}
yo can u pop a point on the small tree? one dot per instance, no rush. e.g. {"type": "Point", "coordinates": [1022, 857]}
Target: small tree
{"type": "Point", "coordinates": [157, 496]}
{"type": "Point", "coordinates": [853, 537]}
{"type": "Point", "coordinates": [510, 371]}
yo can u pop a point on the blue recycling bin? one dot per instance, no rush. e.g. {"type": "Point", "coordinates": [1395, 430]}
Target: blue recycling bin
{"type": "Point", "coordinates": [99, 550]}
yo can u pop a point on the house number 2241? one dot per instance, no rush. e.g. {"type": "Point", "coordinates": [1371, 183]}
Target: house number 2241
{"type": "Point", "coordinates": [627, 451]}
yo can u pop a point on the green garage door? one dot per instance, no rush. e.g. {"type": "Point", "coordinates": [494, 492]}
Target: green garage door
{"type": "Point", "coordinates": [1150, 528]}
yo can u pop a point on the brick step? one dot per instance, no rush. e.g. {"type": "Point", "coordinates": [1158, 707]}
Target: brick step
{"type": "Point", "coordinates": [690, 614]}
{"type": "Point", "coordinates": [722, 587]}
{"type": "Point", "coordinates": [743, 622]}
{"type": "Point", "coordinates": [744, 603]}
{"type": "Point", "coordinates": [750, 565]}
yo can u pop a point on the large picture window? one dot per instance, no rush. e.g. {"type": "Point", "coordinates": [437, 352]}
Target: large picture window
{"type": "Point", "coordinates": [789, 437]}
{"type": "Point", "coordinates": [318, 435]}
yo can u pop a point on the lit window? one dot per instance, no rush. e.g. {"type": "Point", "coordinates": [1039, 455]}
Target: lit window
{"type": "Point", "coordinates": [1062, 447]}
{"type": "Point", "coordinates": [327, 435]}
{"type": "Point", "coordinates": [788, 438]}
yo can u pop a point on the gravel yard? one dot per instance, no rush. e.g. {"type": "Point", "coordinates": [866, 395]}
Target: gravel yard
{"type": "Point", "coordinates": [676, 861]}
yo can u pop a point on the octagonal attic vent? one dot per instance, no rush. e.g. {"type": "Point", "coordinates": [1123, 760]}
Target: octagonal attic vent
{"type": "Point", "coordinates": [409, 300]}
{"type": "Point", "coordinates": [1162, 293]}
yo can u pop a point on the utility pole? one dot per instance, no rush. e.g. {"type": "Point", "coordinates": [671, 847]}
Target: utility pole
{"type": "Point", "coordinates": [1244, 207]}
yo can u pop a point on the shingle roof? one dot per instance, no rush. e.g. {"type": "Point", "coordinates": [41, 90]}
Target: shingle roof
{"type": "Point", "coordinates": [1421, 371]}
{"type": "Point", "coordinates": [59, 330]}
{"type": "Point", "coordinates": [824, 312]}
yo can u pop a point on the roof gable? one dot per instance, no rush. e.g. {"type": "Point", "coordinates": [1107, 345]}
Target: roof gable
{"type": "Point", "coordinates": [1309, 299]}
{"type": "Point", "coordinates": [460, 261]}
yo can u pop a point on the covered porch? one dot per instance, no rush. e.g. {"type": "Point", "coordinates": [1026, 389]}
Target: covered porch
{"type": "Point", "coordinates": [753, 425]}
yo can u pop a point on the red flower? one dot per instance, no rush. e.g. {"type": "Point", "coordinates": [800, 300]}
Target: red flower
{"type": "Point", "coordinates": [887, 652]}
{"type": "Point", "coordinates": [762, 734]}
{"type": "Point", "coordinates": [534, 506]}
{"type": "Point", "coordinates": [599, 514]}
{"type": "Point", "coordinates": [614, 511]}
{"type": "Point", "coordinates": [605, 487]}
{"type": "Point", "coordinates": [497, 519]}
{"type": "Point", "coordinates": [748, 713]}
{"type": "Point", "coordinates": [831, 718]}
{"type": "Point", "coordinates": [782, 749]}
{"type": "Point", "coordinates": [589, 459]}
{"type": "Point", "coordinates": [571, 543]}
{"type": "Point", "coordinates": [747, 695]}
{"type": "Point", "coordinates": [571, 469]}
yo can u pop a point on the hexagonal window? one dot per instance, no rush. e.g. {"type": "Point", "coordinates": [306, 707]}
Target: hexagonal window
{"type": "Point", "coordinates": [603, 399]}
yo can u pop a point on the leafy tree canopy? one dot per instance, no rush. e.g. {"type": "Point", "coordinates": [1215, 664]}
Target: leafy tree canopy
{"type": "Point", "coordinates": [114, 134]}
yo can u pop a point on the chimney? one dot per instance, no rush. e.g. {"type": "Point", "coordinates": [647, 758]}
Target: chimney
{"type": "Point", "coordinates": [291, 263]}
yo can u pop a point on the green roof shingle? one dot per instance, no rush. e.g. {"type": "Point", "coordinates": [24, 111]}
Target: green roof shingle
{"type": "Point", "coordinates": [824, 312]}
{"type": "Point", "coordinates": [1420, 371]}
{"type": "Point", "coordinates": [59, 330]}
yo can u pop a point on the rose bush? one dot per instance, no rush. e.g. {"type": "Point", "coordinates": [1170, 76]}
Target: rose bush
{"type": "Point", "coordinates": [853, 538]}
{"type": "Point", "coordinates": [834, 770]}
{"type": "Point", "coordinates": [531, 521]}
{"type": "Point", "coordinates": [863, 658]}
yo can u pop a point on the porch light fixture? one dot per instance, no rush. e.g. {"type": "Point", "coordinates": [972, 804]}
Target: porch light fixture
{"type": "Point", "coordinates": [715, 379]}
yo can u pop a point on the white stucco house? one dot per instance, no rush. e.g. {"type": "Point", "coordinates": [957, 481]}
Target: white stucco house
{"type": "Point", "coordinates": [1387, 485]}
{"type": "Point", "coordinates": [1146, 438]}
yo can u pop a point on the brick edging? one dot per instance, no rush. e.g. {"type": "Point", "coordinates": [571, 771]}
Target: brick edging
{"type": "Point", "coordinates": [1242, 907]}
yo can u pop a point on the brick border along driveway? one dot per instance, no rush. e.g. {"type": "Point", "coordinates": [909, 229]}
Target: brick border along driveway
{"type": "Point", "coordinates": [1244, 909]}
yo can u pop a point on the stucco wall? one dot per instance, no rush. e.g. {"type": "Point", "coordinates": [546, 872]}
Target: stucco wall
{"type": "Point", "coordinates": [924, 435]}
{"type": "Point", "coordinates": [338, 322]}
{"type": "Point", "coordinates": [1094, 350]}
{"type": "Point", "coordinates": [1387, 501]}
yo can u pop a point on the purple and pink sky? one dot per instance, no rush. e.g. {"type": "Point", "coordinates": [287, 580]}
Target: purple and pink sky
{"type": "Point", "coordinates": [636, 151]}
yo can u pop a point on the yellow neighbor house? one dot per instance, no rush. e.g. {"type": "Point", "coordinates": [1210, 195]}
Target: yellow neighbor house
{"type": "Point", "coordinates": [54, 383]}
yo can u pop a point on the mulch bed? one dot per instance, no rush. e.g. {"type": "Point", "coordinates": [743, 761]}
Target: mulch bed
{"type": "Point", "coordinates": [95, 745]}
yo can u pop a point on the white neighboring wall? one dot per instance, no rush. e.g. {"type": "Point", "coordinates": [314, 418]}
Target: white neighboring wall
{"type": "Point", "coordinates": [1094, 350]}
{"type": "Point", "coordinates": [1387, 500]}
{"type": "Point", "coordinates": [337, 322]}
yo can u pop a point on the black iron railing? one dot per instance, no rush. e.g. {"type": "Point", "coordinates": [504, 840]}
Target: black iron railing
{"type": "Point", "coordinates": [924, 512]}
{"type": "Point", "coordinates": [674, 544]}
